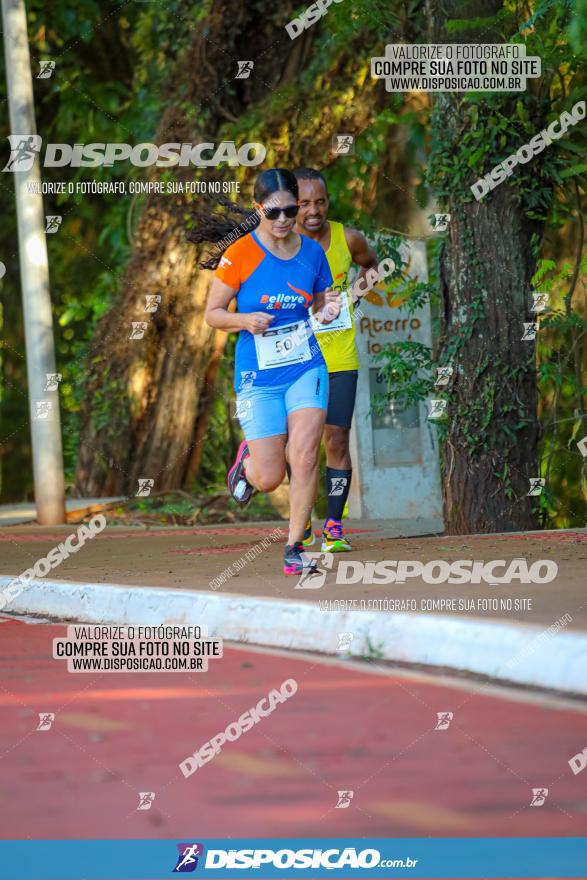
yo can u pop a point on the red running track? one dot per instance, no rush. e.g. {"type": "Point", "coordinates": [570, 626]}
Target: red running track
{"type": "Point", "coordinates": [117, 734]}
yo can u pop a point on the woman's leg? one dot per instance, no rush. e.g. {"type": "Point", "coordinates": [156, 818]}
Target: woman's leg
{"type": "Point", "coordinates": [265, 465]}
{"type": "Point", "coordinates": [263, 420]}
{"type": "Point", "coordinates": [305, 428]}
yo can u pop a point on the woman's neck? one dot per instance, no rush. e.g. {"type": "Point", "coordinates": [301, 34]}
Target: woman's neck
{"type": "Point", "coordinates": [281, 247]}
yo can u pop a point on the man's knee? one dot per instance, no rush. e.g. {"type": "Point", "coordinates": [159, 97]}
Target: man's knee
{"type": "Point", "coordinates": [336, 440]}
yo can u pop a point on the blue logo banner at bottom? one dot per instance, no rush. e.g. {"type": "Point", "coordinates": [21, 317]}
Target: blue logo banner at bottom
{"type": "Point", "coordinates": [368, 858]}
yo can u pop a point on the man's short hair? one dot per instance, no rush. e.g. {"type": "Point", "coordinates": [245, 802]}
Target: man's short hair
{"type": "Point", "coordinates": [310, 174]}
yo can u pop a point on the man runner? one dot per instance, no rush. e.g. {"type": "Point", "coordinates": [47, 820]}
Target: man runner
{"type": "Point", "coordinates": [343, 246]}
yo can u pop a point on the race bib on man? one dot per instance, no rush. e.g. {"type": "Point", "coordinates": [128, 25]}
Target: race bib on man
{"type": "Point", "coordinates": [283, 345]}
{"type": "Point", "coordinates": [343, 322]}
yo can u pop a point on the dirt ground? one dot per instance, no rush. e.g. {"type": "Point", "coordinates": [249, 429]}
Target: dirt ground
{"type": "Point", "coordinates": [193, 558]}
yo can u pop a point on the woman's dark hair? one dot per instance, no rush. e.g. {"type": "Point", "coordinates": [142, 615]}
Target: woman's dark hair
{"type": "Point", "coordinates": [222, 229]}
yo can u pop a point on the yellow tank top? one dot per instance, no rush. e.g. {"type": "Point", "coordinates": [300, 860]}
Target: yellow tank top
{"type": "Point", "coordinates": [339, 348]}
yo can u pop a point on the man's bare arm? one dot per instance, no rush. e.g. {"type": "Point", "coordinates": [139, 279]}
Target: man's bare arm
{"type": "Point", "coordinates": [362, 255]}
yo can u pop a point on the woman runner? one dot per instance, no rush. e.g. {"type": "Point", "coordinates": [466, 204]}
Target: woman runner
{"type": "Point", "coordinates": [280, 377]}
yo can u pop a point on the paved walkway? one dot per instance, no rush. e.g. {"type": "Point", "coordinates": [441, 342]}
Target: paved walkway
{"type": "Point", "coordinates": [193, 558]}
{"type": "Point", "coordinates": [26, 511]}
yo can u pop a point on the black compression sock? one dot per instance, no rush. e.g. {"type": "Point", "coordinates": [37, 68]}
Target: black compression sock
{"type": "Point", "coordinates": [338, 483]}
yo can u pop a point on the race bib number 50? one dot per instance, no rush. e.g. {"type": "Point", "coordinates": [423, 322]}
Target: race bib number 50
{"type": "Point", "coordinates": [280, 346]}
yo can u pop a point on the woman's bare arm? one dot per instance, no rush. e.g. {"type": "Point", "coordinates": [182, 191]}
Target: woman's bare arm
{"type": "Point", "coordinates": [218, 316]}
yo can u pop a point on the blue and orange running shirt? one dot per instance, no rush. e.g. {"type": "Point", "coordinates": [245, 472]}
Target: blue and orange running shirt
{"type": "Point", "coordinates": [285, 289]}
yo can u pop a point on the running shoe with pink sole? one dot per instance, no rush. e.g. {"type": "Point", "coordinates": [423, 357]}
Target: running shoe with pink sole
{"type": "Point", "coordinates": [295, 561]}
{"type": "Point", "coordinates": [236, 480]}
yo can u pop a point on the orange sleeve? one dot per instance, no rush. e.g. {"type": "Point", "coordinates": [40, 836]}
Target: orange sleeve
{"type": "Point", "coordinates": [239, 261]}
{"type": "Point", "coordinates": [229, 268]}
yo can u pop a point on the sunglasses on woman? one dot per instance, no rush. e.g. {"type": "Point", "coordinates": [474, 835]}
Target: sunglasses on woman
{"type": "Point", "coordinates": [273, 213]}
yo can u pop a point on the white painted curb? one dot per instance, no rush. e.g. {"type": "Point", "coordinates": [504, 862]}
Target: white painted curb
{"type": "Point", "coordinates": [516, 652]}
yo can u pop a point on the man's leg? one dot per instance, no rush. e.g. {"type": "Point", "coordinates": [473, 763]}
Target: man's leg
{"type": "Point", "coordinates": [341, 404]}
{"type": "Point", "coordinates": [339, 469]}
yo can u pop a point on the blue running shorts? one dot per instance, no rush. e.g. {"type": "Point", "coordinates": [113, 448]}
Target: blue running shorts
{"type": "Point", "coordinates": [263, 410]}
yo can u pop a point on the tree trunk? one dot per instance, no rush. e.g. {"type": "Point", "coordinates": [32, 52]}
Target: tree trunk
{"type": "Point", "coordinates": [486, 265]}
{"type": "Point", "coordinates": [489, 455]}
{"type": "Point", "coordinates": [147, 399]}
{"type": "Point", "coordinates": [143, 397]}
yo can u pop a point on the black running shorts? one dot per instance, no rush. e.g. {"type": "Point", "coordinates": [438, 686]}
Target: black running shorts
{"type": "Point", "coordinates": [341, 398]}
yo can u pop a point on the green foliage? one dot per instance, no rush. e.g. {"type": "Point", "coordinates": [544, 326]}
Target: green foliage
{"type": "Point", "coordinates": [562, 390]}
{"type": "Point", "coordinates": [488, 128]}
{"type": "Point", "coordinates": [222, 435]}
{"type": "Point", "coordinates": [493, 126]}
{"type": "Point", "coordinates": [115, 84]}
{"type": "Point", "coordinates": [578, 27]}
{"type": "Point", "coordinates": [402, 367]}
{"type": "Point", "coordinates": [372, 651]}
